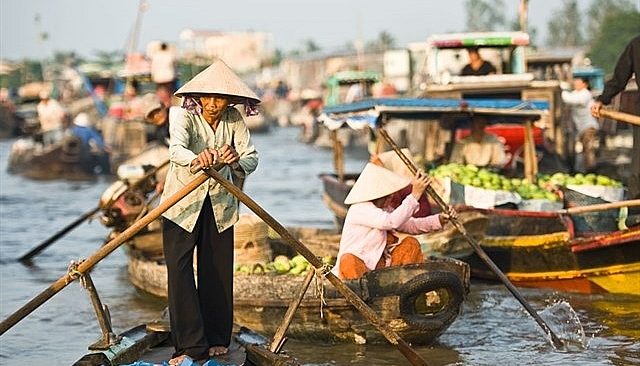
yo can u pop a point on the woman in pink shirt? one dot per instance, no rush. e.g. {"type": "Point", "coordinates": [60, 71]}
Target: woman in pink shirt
{"type": "Point", "coordinates": [367, 241]}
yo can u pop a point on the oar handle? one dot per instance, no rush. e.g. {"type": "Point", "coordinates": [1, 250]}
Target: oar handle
{"type": "Point", "coordinates": [620, 116]}
{"type": "Point", "coordinates": [475, 245]}
{"type": "Point", "coordinates": [601, 207]}
{"type": "Point", "coordinates": [393, 338]}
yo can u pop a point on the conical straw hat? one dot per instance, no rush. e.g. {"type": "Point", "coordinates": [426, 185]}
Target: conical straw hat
{"type": "Point", "coordinates": [218, 79]}
{"type": "Point", "coordinates": [375, 182]}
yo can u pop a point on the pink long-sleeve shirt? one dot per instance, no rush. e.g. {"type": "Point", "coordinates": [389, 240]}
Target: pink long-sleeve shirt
{"type": "Point", "coordinates": [364, 233]}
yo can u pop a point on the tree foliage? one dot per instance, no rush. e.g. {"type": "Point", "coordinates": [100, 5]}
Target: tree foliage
{"type": "Point", "coordinates": [484, 15]}
{"type": "Point", "coordinates": [616, 30]}
{"type": "Point", "coordinates": [564, 28]}
{"type": "Point", "coordinates": [383, 42]}
{"type": "Point", "coordinates": [600, 9]}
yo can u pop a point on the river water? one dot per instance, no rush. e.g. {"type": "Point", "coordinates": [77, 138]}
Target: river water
{"type": "Point", "coordinates": [492, 329]}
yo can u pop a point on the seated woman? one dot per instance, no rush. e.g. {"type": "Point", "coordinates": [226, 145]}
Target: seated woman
{"type": "Point", "coordinates": [367, 241]}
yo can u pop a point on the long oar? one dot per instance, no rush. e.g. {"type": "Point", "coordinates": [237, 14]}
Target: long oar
{"type": "Point", "coordinates": [87, 264]}
{"type": "Point", "coordinates": [393, 338]}
{"type": "Point", "coordinates": [600, 207]}
{"type": "Point", "coordinates": [620, 116]}
{"type": "Point", "coordinates": [42, 246]}
{"type": "Point", "coordinates": [475, 245]}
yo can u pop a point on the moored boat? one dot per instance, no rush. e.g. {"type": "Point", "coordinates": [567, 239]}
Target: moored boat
{"type": "Point", "coordinates": [533, 248]}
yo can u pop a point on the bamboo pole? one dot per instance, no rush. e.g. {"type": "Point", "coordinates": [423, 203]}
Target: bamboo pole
{"type": "Point", "coordinates": [557, 342]}
{"type": "Point", "coordinates": [620, 116]}
{"type": "Point", "coordinates": [338, 155]}
{"type": "Point", "coordinates": [412, 356]}
{"type": "Point", "coordinates": [530, 160]}
{"type": "Point", "coordinates": [600, 207]}
{"type": "Point", "coordinates": [112, 245]}
{"type": "Point", "coordinates": [52, 239]}
{"type": "Point", "coordinates": [278, 337]}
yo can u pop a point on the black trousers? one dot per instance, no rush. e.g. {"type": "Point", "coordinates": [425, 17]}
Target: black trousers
{"type": "Point", "coordinates": [201, 316]}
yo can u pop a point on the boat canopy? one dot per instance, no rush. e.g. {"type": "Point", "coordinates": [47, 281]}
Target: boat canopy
{"type": "Point", "coordinates": [479, 39]}
{"type": "Point", "coordinates": [353, 76]}
{"type": "Point", "coordinates": [367, 113]}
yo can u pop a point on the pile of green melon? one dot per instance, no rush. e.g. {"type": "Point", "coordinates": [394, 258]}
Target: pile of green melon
{"type": "Point", "coordinates": [281, 265]}
{"type": "Point", "coordinates": [546, 187]}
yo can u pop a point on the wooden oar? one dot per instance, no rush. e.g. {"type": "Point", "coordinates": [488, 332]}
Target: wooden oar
{"type": "Point", "coordinates": [412, 356]}
{"type": "Point", "coordinates": [600, 207]}
{"type": "Point", "coordinates": [620, 116]}
{"type": "Point", "coordinates": [557, 342]}
{"type": "Point", "coordinates": [88, 263]}
{"type": "Point", "coordinates": [42, 246]}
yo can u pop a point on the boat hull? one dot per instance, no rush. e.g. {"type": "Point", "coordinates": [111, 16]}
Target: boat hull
{"type": "Point", "coordinates": [608, 262]}
{"type": "Point", "coordinates": [339, 322]}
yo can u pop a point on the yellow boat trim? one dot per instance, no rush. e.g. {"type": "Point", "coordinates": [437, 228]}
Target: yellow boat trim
{"type": "Point", "coordinates": [579, 273]}
{"type": "Point", "coordinates": [543, 240]}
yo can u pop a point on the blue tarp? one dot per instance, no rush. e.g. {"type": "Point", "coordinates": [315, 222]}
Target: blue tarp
{"type": "Point", "coordinates": [441, 105]}
{"type": "Point", "coordinates": [366, 113]}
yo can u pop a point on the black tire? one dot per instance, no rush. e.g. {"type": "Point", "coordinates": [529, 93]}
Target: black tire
{"type": "Point", "coordinates": [427, 282]}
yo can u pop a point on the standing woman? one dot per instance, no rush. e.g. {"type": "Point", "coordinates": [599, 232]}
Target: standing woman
{"type": "Point", "coordinates": [208, 131]}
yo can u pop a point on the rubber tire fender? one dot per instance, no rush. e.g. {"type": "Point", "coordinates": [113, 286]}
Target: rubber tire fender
{"type": "Point", "coordinates": [427, 282]}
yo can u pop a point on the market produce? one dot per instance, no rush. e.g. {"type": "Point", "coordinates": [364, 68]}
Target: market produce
{"type": "Point", "coordinates": [546, 187]}
{"type": "Point", "coordinates": [281, 265]}
{"type": "Point", "coordinates": [470, 175]}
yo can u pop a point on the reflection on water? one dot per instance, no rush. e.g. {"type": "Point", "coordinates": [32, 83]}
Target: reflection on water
{"type": "Point", "coordinates": [492, 329]}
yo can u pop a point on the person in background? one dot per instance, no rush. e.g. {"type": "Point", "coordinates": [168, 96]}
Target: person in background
{"type": "Point", "coordinates": [367, 240]}
{"type": "Point", "coordinates": [628, 63]}
{"type": "Point", "coordinates": [163, 68]}
{"type": "Point", "coordinates": [480, 148]}
{"type": "Point", "coordinates": [51, 116]}
{"type": "Point", "coordinates": [209, 131]}
{"type": "Point", "coordinates": [92, 141]}
{"type": "Point", "coordinates": [580, 99]}
{"type": "Point", "coordinates": [477, 66]}
{"type": "Point", "coordinates": [157, 113]}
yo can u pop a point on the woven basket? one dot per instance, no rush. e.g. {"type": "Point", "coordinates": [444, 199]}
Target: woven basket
{"type": "Point", "coordinates": [250, 240]}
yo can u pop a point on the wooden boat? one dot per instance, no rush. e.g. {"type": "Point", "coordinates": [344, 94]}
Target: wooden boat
{"type": "Point", "coordinates": [66, 159]}
{"type": "Point", "coordinates": [398, 293]}
{"type": "Point", "coordinates": [393, 292]}
{"type": "Point", "coordinates": [142, 343]}
{"type": "Point", "coordinates": [540, 249]}
{"type": "Point", "coordinates": [581, 253]}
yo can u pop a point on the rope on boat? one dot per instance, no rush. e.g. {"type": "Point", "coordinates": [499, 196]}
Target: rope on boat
{"type": "Point", "coordinates": [74, 274]}
{"type": "Point", "coordinates": [320, 274]}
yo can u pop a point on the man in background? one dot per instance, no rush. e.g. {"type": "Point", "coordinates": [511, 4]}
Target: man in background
{"type": "Point", "coordinates": [580, 100]}
{"type": "Point", "coordinates": [477, 66]}
{"type": "Point", "coordinates": [51, 116]}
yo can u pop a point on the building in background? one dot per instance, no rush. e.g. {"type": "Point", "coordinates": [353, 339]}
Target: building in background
{"type": "Point", "coordinates": [242, 51]}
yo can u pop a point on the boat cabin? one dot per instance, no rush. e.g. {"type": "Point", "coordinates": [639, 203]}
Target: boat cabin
{"type": "Point", "coordinates": [447, 54]}
{"type": "Point", "coordinates": [349, 86]}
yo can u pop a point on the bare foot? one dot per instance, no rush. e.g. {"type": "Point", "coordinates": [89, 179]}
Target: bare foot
{"type": "Point", "coordinates": [218, 350]}
{"type": "Point", "coordinates": [177, 360]}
